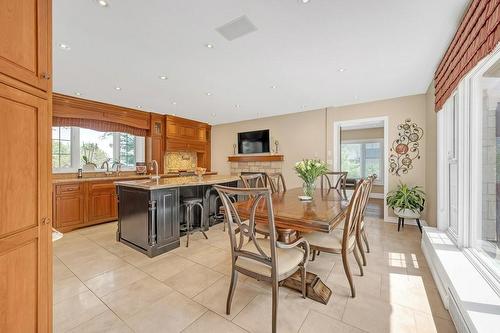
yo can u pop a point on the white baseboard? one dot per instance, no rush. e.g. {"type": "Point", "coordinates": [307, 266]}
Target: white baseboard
{"type": "Point", "coordinates": [393, 219]}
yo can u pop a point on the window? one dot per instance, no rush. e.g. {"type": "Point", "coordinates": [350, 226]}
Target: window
{"type": "Point", "coordinates": [362, 158]}
{"type": "Point", "coordinates": [74, 147]}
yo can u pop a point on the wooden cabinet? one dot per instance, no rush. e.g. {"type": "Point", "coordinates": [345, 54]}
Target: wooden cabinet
{"type": "Point", "coordinates": [25, 228]}
{"type": "Point", "coordinates": [158, 140]}
{"type": "Point", "coordinates": [25, 41]}
{"type": "Point", "coordinates": [102, 204]}
{"type": "Point", "coordinates": [69, 210]}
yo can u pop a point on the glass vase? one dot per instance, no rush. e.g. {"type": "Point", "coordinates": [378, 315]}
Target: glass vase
{"type": "Point", "coordinates": [309, 189]}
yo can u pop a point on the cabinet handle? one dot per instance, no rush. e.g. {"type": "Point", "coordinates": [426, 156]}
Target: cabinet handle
{"type": "Point", "coordinates": [46, 76]}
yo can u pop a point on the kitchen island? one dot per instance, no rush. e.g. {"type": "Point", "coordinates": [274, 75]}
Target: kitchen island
{"type": "Point", "coordinates": [150, 214]}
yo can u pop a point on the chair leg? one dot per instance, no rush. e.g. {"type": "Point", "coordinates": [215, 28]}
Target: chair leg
{"type": "Point", "coordinates": [232, 287]}
{"type": "Point", "coordinates": [348, 273]}
{"type": "Point", "coordinates": [275, 305]}
{"type": "Point", "coordinates": [365, 238]}
{"type": "Point", "coordinates": [303, 273]}
{"type": "Point", "coordinates": [360, 247]}
{"type": "Point", "coordinates": [419, 225]}
{"type": "Point", "coordinates": [399, 223]}
{"type": "Point", "coordinates": [358, 259]}
{"type": "Point", "coordinates": [319, 253]}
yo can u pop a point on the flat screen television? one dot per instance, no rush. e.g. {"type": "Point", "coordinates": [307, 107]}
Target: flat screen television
{"type": "Point", "coordinates": [253, 142]}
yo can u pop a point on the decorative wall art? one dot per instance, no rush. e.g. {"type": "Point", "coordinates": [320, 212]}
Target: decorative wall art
{"type": "Point", "coordinates": [406, 148]}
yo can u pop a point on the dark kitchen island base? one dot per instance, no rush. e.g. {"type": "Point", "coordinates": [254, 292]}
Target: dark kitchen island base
{"type": "Point", "coordinates": [150, 214]}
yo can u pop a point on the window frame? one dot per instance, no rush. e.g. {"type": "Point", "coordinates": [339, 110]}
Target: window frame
{"type": "Point", "coordinates": [380, 177]}
{"type": "Point", "coordinates": [140, 146]}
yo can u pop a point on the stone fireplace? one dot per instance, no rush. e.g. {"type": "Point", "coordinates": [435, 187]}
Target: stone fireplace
{"type": "Point", "coordinates": [257, 163]}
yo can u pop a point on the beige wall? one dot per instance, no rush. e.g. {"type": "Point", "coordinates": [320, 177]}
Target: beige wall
{"type": "Point", "coordinates": [301, 135]}
{"type": "Point", "coordinates": [431, 157]}
{"type": "Point", "coordinates": [310, 135]}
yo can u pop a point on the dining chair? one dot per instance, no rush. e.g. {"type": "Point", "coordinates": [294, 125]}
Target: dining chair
{"type": "Point", "coordinates": [276, 182]}
{"type": "Point", "coordinates": [256, 180]}
{"type": "Point", "coordinates": [262, 259]}
{"type": "Point", "coordinates": [361, 230]}
{"type": "Point", "coordinates": [343, 240]}
{"type": "Point", "coordinates": [337, 181]}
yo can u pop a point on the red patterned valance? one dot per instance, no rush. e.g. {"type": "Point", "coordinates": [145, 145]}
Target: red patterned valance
{"type": "Point", "coordinates": [98, 125]}
{"type": "Point", "coordinates": [477, 35]}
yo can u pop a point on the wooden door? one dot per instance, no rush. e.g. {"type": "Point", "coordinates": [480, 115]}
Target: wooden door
{"type": "Point", "coordinates": [25, 41]}
{"type": "Point", "coordinates": [102, 204]}
{"type": "Point", "coordinates": [25, 226]}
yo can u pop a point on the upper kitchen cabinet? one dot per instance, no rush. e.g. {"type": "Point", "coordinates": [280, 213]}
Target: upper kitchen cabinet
{"type": "Point", "coordinates": [185, 129]}
{"type": "Point", "coordinates": [25, 43]}
{"type": "Point", "coordinates": [158, 139]}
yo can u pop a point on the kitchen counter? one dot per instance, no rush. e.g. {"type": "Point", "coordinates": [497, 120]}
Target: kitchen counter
{"type": "Point", "coordinates": [151, 213]}
{"type": "Point", "coordinates": [172, 182]}
{"type": "Point", "coordinates": [59, 179]}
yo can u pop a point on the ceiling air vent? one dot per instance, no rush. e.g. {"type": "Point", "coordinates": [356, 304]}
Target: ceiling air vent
{"type": "Point", "coordinates": [237, 28]}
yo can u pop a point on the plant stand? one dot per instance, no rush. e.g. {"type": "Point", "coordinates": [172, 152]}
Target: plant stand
{"type": "Point", "coordinates": [406, 214]}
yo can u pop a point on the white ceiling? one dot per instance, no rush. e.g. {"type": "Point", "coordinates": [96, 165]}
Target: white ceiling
{"type": "Point", "coordinates": [388, 48]}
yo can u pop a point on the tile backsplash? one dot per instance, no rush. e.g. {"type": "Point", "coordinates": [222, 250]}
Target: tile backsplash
{"type": "Point", "coordinates": [186, 160]}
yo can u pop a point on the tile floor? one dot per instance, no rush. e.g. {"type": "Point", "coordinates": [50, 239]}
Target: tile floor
{"type": "Point", "coordinates": [104, 286]}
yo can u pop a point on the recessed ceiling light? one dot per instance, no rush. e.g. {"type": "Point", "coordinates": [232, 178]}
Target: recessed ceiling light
{"type": "Point", "coordinates": [341, 70]}
{"type": "Point", "coordinates": [274, 87]}
{"type": "Point", "coordinates": [209, 46]}
{"type": "Point", "coordinates": [304, 1]}
{"type": "Point", "coordinates": [139, 106]}
{"type": "Point", "coordinates": [174, 103]}
{"type": "Point", "coordinates": [102, 3]}
{"type": "Point", "coordinates": [209, 94]}
{"type": "Point", "coordinates": [78, 93]}
{"type": "Point", "coordinates": [163, 77]}
{"type": "Point", "coordinates": [64, 47]}
{"type": "Point", "coordinates": [213, 114]}
{"type": "Point", "coordinates": [118, 88]}
{"type": "Point", "coordinates": [237, 106]}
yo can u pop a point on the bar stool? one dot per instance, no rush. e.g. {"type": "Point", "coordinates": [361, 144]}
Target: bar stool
{"type": "Point", "coordinates": [190, 203]}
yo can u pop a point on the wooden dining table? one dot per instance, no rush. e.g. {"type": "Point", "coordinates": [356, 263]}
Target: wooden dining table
{"type": "Point", "coordinates": [323, 213]}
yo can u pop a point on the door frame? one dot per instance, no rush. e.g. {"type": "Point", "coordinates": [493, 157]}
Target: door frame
{"type": "Point", "coordinates": [337, 141]}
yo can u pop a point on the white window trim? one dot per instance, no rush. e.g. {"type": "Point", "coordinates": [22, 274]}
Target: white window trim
{"type": "Point", "coordinates": [470, 151]}
{"type": "Point", "coordinates": [75, 152]}
{"type": "Point", "coordinates": [380, 178]}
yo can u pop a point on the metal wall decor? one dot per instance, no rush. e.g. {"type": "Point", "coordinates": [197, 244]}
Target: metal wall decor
{"type": "Point", "coordinates": [406, 148]}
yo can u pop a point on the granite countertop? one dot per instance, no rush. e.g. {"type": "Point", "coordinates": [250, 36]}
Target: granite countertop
{"type": "Point", "coordinates": [178, 182]}
{"type": "Point", "coordinates": [74, 179]}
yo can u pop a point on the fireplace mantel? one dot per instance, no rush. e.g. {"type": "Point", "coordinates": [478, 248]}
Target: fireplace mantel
{"type": "Point", "coordinates": [255, 158]}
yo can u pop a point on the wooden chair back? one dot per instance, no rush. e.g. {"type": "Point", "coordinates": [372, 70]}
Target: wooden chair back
{"type": "Point", "coordinates": [335, 180]}
{"type": "Point", "coordinates": [242, 232]}
{"type": "Point", "coordinates": [354, 211]}
{"type": "Point", "coordinates": [276, 182]}
{"type": "Point", "coordinates": [253, 180]}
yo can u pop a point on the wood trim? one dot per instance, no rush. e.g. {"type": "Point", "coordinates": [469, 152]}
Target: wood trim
{"type": "Point", "coordinates": [72, 107]}
{"type": "Point", "coordinates": [256, 158]}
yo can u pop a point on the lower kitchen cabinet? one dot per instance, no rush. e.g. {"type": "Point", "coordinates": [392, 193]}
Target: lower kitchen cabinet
{"type": "Point", "coordinates": [81, 204]}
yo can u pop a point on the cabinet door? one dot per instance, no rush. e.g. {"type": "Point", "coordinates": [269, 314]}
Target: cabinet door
{"type": "Point", "coordinates": [25, 228]}
{"type": "Point", "coordinates": [25, 41]}
{"type": "Point", "coordinates": [69, 210]}
{"type": "Point", "coordinates": [167, 218]}
{"type": "Point", "coordinates": [157, 151]}
{"type": "Point", "coordinates": [102, 204]}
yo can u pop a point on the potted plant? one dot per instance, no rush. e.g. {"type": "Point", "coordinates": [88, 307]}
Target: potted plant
{"type": "Point", "coordinates": [309, 170]}
{"type": "Point", "coordinates": [406, 201]}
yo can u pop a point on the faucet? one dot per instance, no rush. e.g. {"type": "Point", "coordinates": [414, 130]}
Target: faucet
{"type": "Point", "coordinates": [118, 167]}
{"type": "Point", "coordinates": [155, 166]}
{"type": "Point", "coordinates": [106, 162]}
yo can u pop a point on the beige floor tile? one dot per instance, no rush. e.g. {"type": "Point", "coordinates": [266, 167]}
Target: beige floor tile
{"type": "Point", "coordinates": [195, 247]}
{"type": "Point", "coordinates": [166, 267]}
{"type": "Point", "coordinates": [373, 315]}
{"type": "Point", "coordinates": [193, 280]}
{"type": "Point", "coordinates": [171, 314]}
{"type": "Point", "coordinates": [319, 323]}
{"type": "Point", "coordinates": [429, 324]}
{"type": "Point", "coordinates": [105, 322]}
{"type": "Point", "coordinates": [76, 310]}
{"type": "Point", "coordinates": [119, 249]}
{"type": "Point", "coordinates": [139, 259]}
{"type": "Point", "coordinates": [369, 283]}
{"type": "Point", "coordinates": [256, 317]}
{"type": "Point", "coordinates": [68, 287]}
{"type": "Point", "coordinates": [97, 265]}
{"type": "Point", "coordinates": [115, 279]}
{"type": "Point", "coordinates": [131, 299]}
{"type": "Point", "coordinates": [60, 271]}
{"type": "Point", "coordinates": [215, 297]}
{"type": "Point", "coordinates": [211, 257]}
{"type": "Point", "coordinates": [336, 305]}
{"type": "Point", "coordinates": [212, 322]}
